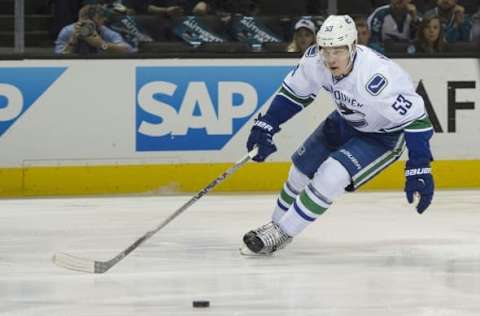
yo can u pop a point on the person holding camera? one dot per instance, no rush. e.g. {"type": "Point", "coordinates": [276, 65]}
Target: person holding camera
{"type": "Point", "coordinates": [89, 35]}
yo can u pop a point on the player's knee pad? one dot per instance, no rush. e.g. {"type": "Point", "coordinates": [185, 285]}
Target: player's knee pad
{"type": "Point", "coordinates": [331, 179]}
{"type": "Point", "coordinates": [296, 179]}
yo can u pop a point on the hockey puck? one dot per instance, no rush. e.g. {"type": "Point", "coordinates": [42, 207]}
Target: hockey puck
{"type": "Point", "coordinates": [201, 303]}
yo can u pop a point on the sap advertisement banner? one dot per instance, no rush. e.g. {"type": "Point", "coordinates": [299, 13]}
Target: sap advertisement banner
{"type": "Point", "coordinates": [20, 88]}
{"type": "Point", "coordinates": [100, 126]}
{"type": "Point", "coordinates": [198, 108]}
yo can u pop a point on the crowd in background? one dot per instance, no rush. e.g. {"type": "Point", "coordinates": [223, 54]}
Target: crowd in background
{"type": "Point", "coordinates": [126, 26]}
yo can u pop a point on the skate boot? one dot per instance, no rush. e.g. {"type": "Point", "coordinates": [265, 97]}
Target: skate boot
{"type": "Point", "coordinates": [265, 240]}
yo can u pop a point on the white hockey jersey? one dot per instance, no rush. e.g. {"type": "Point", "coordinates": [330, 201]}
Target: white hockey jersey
{"type": "Point", "coordinates": [376, 96]}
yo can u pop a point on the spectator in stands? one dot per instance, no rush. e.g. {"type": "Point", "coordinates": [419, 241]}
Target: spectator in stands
{"type": "Point", "coordinates": [424, 6]}
{"type": "Point", "coordinates": [430, 38]}
{"type": "Point", "coordinates": [457, 27]}
{"type": "Point", "coordinates": [197, 7]}
{"type": "Point", "coordinates": [364, 35]}
{"type": "Point", "coordinates": [396, 21]}
{"type": "Point", "coordinates": [303, 37]}
{"type": "Point", "coordinates": [65, 12]}
{"type": "Point", "coordinates": [90, 35]}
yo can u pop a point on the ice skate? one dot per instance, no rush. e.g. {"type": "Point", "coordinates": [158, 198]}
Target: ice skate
{"type": "Point", "coordinates": [264, 240]}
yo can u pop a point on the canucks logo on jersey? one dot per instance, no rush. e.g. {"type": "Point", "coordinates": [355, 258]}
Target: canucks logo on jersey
{"type": "Point", "coordinates": [348, 106]}
{"type": "Point", "coordinates": [376, 84]}
{"type": "Point", "coordinates": [355, 118]}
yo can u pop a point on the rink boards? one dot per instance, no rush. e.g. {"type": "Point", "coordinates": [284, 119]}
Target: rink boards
{"type": "Point", "coordinates": [131, 126]}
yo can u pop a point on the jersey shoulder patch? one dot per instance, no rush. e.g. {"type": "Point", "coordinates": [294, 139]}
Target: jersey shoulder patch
{"type": "Point", "coordinates": [376, 84]}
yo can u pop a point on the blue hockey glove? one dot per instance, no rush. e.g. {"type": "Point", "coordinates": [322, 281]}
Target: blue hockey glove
{"type": "Point", "coordinates": [261, 136]}
{"type": "Point", "coordinates": [419, 180]}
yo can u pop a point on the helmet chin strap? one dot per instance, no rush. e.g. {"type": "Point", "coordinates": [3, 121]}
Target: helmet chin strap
{"type": "Point", "coordinates": [352, 50]}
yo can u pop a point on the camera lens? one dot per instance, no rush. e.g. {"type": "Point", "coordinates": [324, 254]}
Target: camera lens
{"type": "Point", "coordinates": [87, 28]}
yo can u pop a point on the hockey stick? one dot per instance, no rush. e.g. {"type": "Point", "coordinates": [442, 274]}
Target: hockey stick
{"type": "Point", "coordinates": [85, 265]}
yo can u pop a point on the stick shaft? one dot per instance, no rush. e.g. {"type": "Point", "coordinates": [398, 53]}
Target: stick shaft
{"type": "Point", "coordinates": [180, 210]}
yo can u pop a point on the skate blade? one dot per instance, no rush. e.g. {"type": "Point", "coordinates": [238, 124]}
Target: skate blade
{"type": "Point", "coordinates": [244, 251]}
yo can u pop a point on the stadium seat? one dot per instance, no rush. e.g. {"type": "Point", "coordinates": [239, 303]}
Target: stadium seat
{"type": "Point", "coordinates": [471, 6]}
{"type": "Point", "coordinates": [354, 7]}
{"type": "Point", "coordinates": [396, 47]}
{"type": "Point", "coordinates": [227, 47]}
{"type": "Point", "coordinates": [278, 25]}
{"type": "Point", "coordinates": [156, 26]}
{"type": "Point", "coordinates": [213, 23]}
{"type": "Point", "coordinates": [7, 6]}
{"type": "Point", "coordinates": [275, 47]}
{"type": "Point", "coordinates": [165, 47]}
{"type": "Point", "coordinates": [463, 47]}
{"type": "Point", "coordinates": [289, 8]}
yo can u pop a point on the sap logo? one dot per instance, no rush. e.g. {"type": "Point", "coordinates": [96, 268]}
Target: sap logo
{"type": "Point", "coordinates": [376, 84]}
{"type": "Point", "coordinates": [196, 97]}
{"type": "Point", "coordinates": [12, 99]}
{"type": "Point", "coordinates": [20, 88]}
{"type": "Point", "coordinates": [199, 108]}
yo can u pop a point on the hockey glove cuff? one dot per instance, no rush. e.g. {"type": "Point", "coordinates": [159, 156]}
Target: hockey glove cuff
{"type": "Point", "coordinates": [261, 135]}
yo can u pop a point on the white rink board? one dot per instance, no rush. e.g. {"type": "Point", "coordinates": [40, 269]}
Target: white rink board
{"type": "Point", "coordinates": [88, 114]}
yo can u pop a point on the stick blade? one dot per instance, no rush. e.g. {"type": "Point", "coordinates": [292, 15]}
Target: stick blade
{"type": "Point", "coordinates": [70, 262]}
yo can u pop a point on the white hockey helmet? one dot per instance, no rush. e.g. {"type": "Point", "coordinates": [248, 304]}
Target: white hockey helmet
{"type": "Point", "coordinates": [338, 30]}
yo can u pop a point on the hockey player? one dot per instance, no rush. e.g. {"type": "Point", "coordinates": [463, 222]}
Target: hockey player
{"type": "Point", "coordinates": [377, 113]}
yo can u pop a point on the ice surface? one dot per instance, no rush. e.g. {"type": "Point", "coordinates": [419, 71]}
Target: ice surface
{"type": "Point", "coordinates": [370, 254]}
